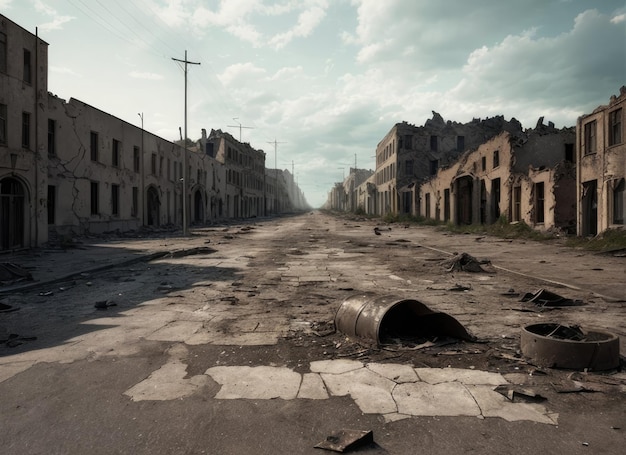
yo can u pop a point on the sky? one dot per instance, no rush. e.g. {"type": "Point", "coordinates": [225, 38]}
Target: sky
{"type": "Point", "coordinates": [317, 84]}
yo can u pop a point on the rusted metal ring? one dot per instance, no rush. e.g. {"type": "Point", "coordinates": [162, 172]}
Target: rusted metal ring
{"type": "Point", "coordinates": [595, 350]}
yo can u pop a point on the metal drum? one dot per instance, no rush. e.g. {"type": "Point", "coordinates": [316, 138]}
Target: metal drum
{"type": "Point", "coordinates": [379, 318]}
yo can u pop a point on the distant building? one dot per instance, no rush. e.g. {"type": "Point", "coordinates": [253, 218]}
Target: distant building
{"type": "Point", "coordinates": [601, 167]}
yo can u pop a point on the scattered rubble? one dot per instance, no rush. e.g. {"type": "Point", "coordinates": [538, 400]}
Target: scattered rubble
{"type": "Point", "coordinates": [544, 298]}
{"type": "Point", "coordinates": [465, 263]}
{"type": "Point", "coordinates": [345, 440]}
{"type": "Point", "coordinates": [12, 273]}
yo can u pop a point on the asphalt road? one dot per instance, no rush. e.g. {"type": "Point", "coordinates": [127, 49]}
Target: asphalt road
{"type": "Point", "coordinates": [223, 342]}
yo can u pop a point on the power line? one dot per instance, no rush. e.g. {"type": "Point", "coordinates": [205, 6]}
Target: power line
{"type": "Point", "coordinates": [240, 126]}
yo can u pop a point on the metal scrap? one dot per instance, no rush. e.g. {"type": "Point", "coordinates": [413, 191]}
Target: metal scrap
{"type": "Point", "coordinates": [345, 440]}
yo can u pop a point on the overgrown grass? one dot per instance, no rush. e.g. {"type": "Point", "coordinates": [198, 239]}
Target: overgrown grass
{"type": "Point", "coordinates": [612, 239]}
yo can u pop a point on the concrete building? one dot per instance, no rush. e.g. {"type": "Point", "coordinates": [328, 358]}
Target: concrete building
{"type": "Point", "coordinates": [245, 174]}
{"type": "Point", "coordinates": [601, 167]}
{"type": "Point", "coordinates": [409, 154]}
{"type": "Point", "coordinates": [524, 176]}
{"type": "Point", "coordinates": [26, 137]}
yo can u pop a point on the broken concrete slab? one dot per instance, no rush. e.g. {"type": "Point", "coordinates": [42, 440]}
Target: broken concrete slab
{"type": "Point", "coordinates": [260, 383]}
{"type": "Point", "coordinates": [464, 376]}
{"type": "Point", "coordinates": [444, 399]}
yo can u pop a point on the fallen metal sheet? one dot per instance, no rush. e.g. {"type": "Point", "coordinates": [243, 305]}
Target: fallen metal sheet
{"type": "Point", "coordinates": [344, 440]}
{"type": "Point", "coordinates": [465, 263]}
{"type": "Point", "coordinates": [544, 298]}
{"type": "Point", "coordinates": [560, 346]}
{"type": "Point", "coordinates": [382, 318]}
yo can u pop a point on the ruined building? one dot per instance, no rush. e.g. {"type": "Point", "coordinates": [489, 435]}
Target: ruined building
{"type": "Point", "coordinates": [524, 176]}
{"type": "Point", "coordinates": [601, 167]}
{"type": "Point", "coordinates": [410, 154]}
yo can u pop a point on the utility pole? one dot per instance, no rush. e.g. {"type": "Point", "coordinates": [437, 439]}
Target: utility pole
{"type": "Point", "coordinates": [185, 171]}
{"type": "Point", "coordinates": [240, 126]}
{"type": "Point", "coordinates": [141, 165]}
{"type": "Point", "coordinates": [276, 172]}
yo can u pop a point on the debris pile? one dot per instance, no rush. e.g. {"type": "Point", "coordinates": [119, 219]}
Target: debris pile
{"type": "Point", "coordinates": [465, 263]}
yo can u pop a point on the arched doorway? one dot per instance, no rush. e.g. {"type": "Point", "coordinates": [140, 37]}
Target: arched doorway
{"type": "Point", "coordinates": [464, 191]}
{"type": "Point", "coordinates": [12, 221]}
{"type": "Point", "coordinates": [154, 207]}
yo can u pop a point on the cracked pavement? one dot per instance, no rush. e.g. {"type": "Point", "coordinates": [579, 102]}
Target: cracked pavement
{"type": "Point", "coordinates": [222, 342]}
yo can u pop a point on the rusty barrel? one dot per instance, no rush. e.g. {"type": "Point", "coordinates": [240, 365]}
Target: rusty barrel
{"type": "Point", "coordinates": [548, 345]}
{"type": "Point", "coordinates": [377, 317]}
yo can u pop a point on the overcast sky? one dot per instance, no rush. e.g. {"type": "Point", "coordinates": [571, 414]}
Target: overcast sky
{"type": "Point", "coordinates": [327, 79]}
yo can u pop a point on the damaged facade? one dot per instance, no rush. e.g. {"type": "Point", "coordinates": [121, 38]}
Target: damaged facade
{"type": "Point", "coordinates": [68, 168]}
{"type": "Point", "coordinates": [524, 176]}
{"type": "Point", "coordinates": [409, 154]}
{"type": "Point", "coordinates": [601, 167]}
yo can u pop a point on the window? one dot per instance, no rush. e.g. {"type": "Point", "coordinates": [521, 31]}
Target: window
{"type": "Point", "coordinates": [539, 202]}
{"type": "Point", "coordinates": [25, 130]}
{"type": "Point", "coordinates": [569, 153]}
{"type": "Point", "coordinates": [169, 169]}
{"type": "Point", "coordinates": [115, 200]}
{"type": "Point", "coordinates": [135, 201]}
{"type": "Point", "coordinates": [3, 124]}
{"type": "Point", "coordinates": [446, 204]}
{"type": "Point", "coordinates": [94, 198]}
{"type": "Point", "coordinates": [27, 67]}
{"type": "Point", "coordinates": [51, 203]}
{"type": "Point", "coordinates": [427, 213]}
{"type": "Point", "coordinates": [460, 143]}
{"type": "Point", "coordinates": [3, 52]}
{"type": "Point", "coordinates": [115, 153]}
{"type": "Point", "coordinates": [615, 127]}
{"type": "Point", "coordinates": [434, 164]}
{"type": "Point", "coordinates": [51, 137]}
{"type": "Point", "coordinates": [618, 202]}
{"type": "Point", "coordinates": [160, 166]}
{"type": "Point", "coordinates": [496, 158]}
{"type": "Point", "coordinates": [93, 145]}
{"type": "Point", "coordinates": [590, 137]}
{"type": "Point", "coordinates": [408, 141]}
{"type": "Point", "coordinates": [153, 164]}
{"type": "Point", "coordinates": [136, 162]}
{"type": "Point", "coordinates": [408, 167]}
{"type": "Point", "coordinates": [434, 143]}
{"type": "Point", "coordinates": [495, 198]}
{"type": "Point", "coordinates": [483, 163]}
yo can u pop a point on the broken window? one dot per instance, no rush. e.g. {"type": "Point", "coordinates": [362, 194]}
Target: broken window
{"type": "Point", "coordinates": [569, 153]}
{"type": "Point", "coordinates": [495, 198]}
{"type": "Point", "coordinates": [434, 143]}
{"type": "Point", "coordinates": [618, 202]}
{"type": "Point", "coordinates": [3, 124]}
{"type": "Point", "coordinates": [115, 153]}
{"type": "Point", "coordinates": [460, 143]}
{"type": "Point", "coordinates": [496, 158]}
{"type": "Point", "coordinates": [433, 166]}
{"type": "Point", "coordinates": [51, 203]}
{"type": "Point", "coordinates": [408, 167]}
{"type": "Point", "coordinates": [93, 145]}
{"type": "Point", "coordinates": [27, 67]}
{"type": "Point", "coordinates": [517, 203]}
{"type": "Point", "coordinates": [590, 137]}
{"type": "Point", "coordinates": [25, 130]}
{"type": "Point", "coordinates": [615, 127]}
{"type": "Point", "coordinates": [94, 198]}
{"type": "Point", "coordinates": [51, 137]}
{"type": "Point", "coordinates": [3, 52]}
{"type": "Point", "coordinates": [135, 202]}
{"type": "Point", "coordinates": [136, 162]}
{"type": "Point", "coordinates": [539, 202]}
{"type": "Point", "coordinates": [115, 200]}
{"type": "Point", "coordinates": [483, 163]}
{"type": "Point", "coordinates": [408, 141]}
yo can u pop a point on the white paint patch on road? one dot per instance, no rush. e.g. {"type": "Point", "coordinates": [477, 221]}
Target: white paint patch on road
{"type": "Point", "coordinates": [167, 383]}
{"type": "Point", "coordinates": [256, 383]}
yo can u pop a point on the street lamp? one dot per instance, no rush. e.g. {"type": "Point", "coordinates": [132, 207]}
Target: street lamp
{"type": "Point", "coordinates": [141, 173]}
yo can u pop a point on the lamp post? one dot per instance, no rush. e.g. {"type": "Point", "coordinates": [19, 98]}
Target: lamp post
{"type": "Point", "coordinates": [141, 173]}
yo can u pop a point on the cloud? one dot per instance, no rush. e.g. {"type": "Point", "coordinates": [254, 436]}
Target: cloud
{"type": "Point", "coordinates": [308, 20]}
{"type": "Point", "coordinates": [240, 73]}
{"type": "Point", "coordinates": [64, 70]}
{"type": "Point", "coordinates": [57, 19]}
{"type": "Point", "coordinates": [145, 75]}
